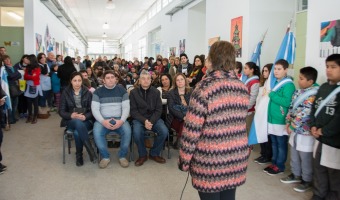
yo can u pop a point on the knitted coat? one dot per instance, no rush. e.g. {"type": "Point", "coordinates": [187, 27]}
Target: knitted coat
{"type": "Point", "coordinates": [214, 145]}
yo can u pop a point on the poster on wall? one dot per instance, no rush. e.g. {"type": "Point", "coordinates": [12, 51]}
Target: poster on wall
{"type": "Point", "coordinates": [236, 35]}
{"type": "Point", "coordinates": [48, 40]}
{"type": "Point", "coordinates": [38, 43]}
{"type": "Point", "coordinates": [172, 51]}
{"type": "Point", "coordinates": [181, 46]}
{"type": "Point", "coordinates": [329, 39]}
{"type": "Point", "coordinates": [212, 40]}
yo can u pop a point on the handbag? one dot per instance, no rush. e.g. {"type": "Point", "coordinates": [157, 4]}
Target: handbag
{"type": "Point", "coordinates": [14, 91]}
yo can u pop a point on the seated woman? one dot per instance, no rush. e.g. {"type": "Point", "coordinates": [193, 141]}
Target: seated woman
{"type": "Point", "coordinates": [178, 101]}
{"type": "Point", "coordinates": [197, 73]}
{"type": "Point", "coordinates": [164, 88]}
{"type": "Point", "coordinates": [75, 110]}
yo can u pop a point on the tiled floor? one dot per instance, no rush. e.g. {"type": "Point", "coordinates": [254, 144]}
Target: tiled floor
{"type": "Point", "coordinates": [33, 154]}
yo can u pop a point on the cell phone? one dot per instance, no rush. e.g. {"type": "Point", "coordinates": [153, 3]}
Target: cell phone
{"type": "Point", "coordinates": [113, 122]}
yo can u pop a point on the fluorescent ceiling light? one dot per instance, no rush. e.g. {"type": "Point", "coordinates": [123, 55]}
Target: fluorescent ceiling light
{"type": "Point", "coordinates": [104, 35]}
{"type": "Point", "coordinates": [14, 15]}
{"type": "Point", "coordinates": [106, 26]}
{"type": "Point", "coordinates": [110, 5]}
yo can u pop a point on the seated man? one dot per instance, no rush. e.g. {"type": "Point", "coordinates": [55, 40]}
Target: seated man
{"type": "Point", "coordinates": [110, 107]}
{"type": "Point", "coordinates": [146, 110]}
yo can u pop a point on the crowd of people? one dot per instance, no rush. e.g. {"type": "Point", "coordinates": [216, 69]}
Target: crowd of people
{"type": "Point", "coordinates": [209, 104]}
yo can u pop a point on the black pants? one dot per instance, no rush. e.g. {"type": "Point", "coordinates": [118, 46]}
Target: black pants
{"type": "Point", "coordinates": [266, 149]}
{"type": "Point", "coordinates": [223, 195]}
{"type": "Point", "coordinates": [326, 180]}
{"type": "Point", "coordinates": [22, 104]}
{"type": "Point", "coordinates": [32, 102]}
{"type": "Point", "coordinates": [1, 136]}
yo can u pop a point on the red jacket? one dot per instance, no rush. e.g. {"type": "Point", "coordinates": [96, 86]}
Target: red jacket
{"type": "Point", "coordinates": [34, 76]}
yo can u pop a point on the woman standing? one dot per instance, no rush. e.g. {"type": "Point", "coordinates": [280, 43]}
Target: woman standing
{"type": "Point", "coordinates": [75, 111]}
{"type": "Point", "coordinates": [178, 101]}
{"type": "Point", "coordinates": [64, 72]}
{"type": "Point", "coordinates": [45, 82]}
{"type": "Point", "coordinates": [214, 146]}
{"type": "Point", "coordinates": [33, 89]}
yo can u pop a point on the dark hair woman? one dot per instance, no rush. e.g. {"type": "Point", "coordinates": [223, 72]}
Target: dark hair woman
{"type": "Point", "coordinates": [196, 74]}
{"type": "Point", "coordinates": [178, 102]}
{"type": "Point", "coordinates": [33, 88]}
{"type": "Point", "coordinates": [75, 111]}
{"type": "Point", "coordinates": [164, 88]}
{"type": "Point", "coordinates": [45, 82]}
{"type": "Point", "coordinates": [64, 72]}
{"type": "Point", "coordinates": [22, 102]}
{"type": "Point", "coordinates": [214, 144]}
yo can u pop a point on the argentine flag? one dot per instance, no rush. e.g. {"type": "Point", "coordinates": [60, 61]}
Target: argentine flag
{"type": "Point", "coordinates": [5, 88]}
{"type": "Point", "coordinates": [255, 58]}
{"type": "Point", "coordinates": [259, 128]}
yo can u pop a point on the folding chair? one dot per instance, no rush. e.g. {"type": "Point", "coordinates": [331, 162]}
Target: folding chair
{"type": "Point", "coordinates": [115, 137]}
{"type": "Point", "coordinates": [68, 137]}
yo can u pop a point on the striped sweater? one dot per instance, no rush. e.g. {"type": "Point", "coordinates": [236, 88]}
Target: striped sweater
{"type": "Point", "coordinates": [214, 143]}
{"type": "Point", "coordinates": [108, 103]}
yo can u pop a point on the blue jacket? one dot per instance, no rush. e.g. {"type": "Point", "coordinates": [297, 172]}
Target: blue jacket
{"type": "Point", "coordinates": [55, 80]}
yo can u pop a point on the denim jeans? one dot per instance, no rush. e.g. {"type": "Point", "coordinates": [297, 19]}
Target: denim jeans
{"type": "Point", "coordinates": [138, 135]}
{"type": "Point", "coordinates": [46, 97]}
{"type": "Point", "coordinates": [12, 118]}
{"type": "Point", "coordinates": [280, 150]}
{"type": "Point", "coordinates": [99, 132]}
{"type": "Point", "coordinates": [80, 131]}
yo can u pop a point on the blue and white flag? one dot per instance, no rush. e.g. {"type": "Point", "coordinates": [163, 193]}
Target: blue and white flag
{"type": "Point", "coordinates": [259, 128]}
{"type": "Point", "coordinates": [255, 58]}
{"type": "Point", "coordinates": [5, 88]}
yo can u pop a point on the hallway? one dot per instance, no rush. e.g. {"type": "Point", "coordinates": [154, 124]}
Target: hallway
{"type": "Point", "coordinates": [33, 155]}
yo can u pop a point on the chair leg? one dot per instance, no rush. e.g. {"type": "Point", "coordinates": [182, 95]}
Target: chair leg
{"type": "Point", "coordinates": [132, 148]}
{"type": "Point", "coordinates": [64, 141]}
{"type": "Point", "coordinates": [69, 145]}
{"type": "Point", "coordinates": [169, 154]}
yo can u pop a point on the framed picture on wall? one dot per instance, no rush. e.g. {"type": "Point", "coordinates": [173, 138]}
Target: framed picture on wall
{"type": "Point", "coordinates": [329, 39]}
{"type": "Point", "coordinates": [236, 35]}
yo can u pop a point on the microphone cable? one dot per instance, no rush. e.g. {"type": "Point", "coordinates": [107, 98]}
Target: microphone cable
{"type": "Point", "coordinates": [184, 186]}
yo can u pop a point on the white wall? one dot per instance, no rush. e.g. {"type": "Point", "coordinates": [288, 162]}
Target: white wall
{"type": "Point", "coordinates": [173, 29]}
{"type": "Point", "coordinates": [218, 21]}
{"type": "Point", "coordinates": [37, 17]}
{"type": "Point", "coordinates": [273, 16]}
{"type": "Point", "coordinates": [319, 11]}
{"type": "Point", "coordinates": [189, 24]}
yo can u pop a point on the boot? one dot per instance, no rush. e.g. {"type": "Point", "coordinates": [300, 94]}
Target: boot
{"type": "Point", "coordinates": [90, 151]}
{"type": "Point", "coordinates": [29, 119]}
{"type": "Point", "coordinates": [79, 157]}
{"type": "Point", "coordinates": [34, 120]}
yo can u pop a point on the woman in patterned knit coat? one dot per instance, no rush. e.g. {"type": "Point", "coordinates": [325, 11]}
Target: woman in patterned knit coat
{"type": "Point", "coordinates": [214, 142]}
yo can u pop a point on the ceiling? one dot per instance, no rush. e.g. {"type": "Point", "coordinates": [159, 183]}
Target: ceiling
{"type": "Point", "coordinates": [90, 15]}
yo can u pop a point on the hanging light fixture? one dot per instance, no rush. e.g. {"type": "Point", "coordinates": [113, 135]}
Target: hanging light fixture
{"type": "Point", "coordinates": [110, 5]}
{"type": "Point", "coordinates": [106, 25]}
{"type": "Point", "coordinates": [104, 35]}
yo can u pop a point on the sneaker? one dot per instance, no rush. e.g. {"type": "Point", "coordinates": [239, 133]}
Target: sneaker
{"type": "Point", "coordinates": [303, 186]}
{"type": "Point", "coordinates": [256, 159]}
{"type": "Point", "coordinates": [104, 162]}
{"type": "Point", "coordinates": [265, 170]}
{"type": "Point", "coordinates": [274, 171]}
{"type": "Point", "coordinates": [263, 161]}
{"type": "Point", "coordinates": [123, 162]}
{"type": "Point", "coordinates": [291, 179]}
{"type": "Point", "coordinates": [3, 167]}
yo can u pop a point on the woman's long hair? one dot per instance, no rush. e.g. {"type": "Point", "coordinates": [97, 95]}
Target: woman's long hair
{"type": "Point", "coordinates": [187, 87]}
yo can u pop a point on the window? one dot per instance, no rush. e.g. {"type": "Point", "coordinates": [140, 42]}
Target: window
{"type": "Point", "coordinates": [128, 52]}
{"type": "Point", "coordinates": [302, 5]}
{"type": "Point", "coordinates": [165, 3]}
{"type": "Point", "coordinates": [142, 48]}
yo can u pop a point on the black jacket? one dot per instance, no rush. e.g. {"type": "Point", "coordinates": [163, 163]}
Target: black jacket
{"type": "Point", "coordinates": [12, 77]}
{"type": "Point", "coordinates": [189, 70]}
{"type": "Point", "coordinates": [329, 117]}
{"type": "Point", "coordinates": [64, 73]}
{"type": "Point", "coordinates": [175, 99]}
{"type": "Point", "coordinates": [145, 104]}
{"type": "Point", "coordinates": [67, 104]}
